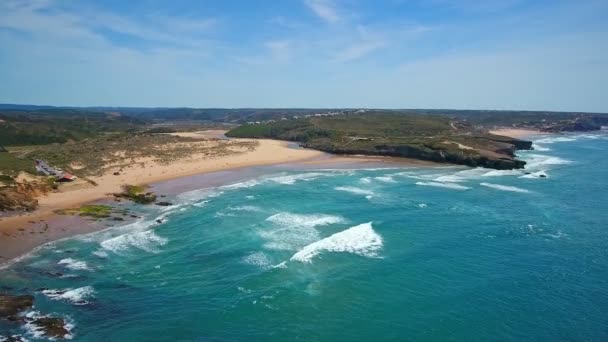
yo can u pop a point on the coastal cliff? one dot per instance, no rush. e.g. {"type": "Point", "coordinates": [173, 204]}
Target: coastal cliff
{"type": "Point", "coordinates": [430, 138]}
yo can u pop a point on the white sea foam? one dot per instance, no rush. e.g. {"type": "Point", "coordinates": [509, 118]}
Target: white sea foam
{"type": "Point", "coordinates": [540, 161]}
{"type": "Point", "coordinates": [241, 185]}
{"type": "Point", "coordinates": [540, 148]}
{"type": "Point", "coordinates": [74, 264]}
{"type": "Point", "coordinates": [292, 231]}
{"type": "Point", "coordinates": [361, 240]}
{"type": "Point", "coordinates": [198, 194]}
{"type": "Point", "coordinates": [539, 174]}
{"type": "Point", "coordinates": [100, 253]}
{"type": "Point", "coordinates": [500, 173]}
{"type": "Point", "coordinates": [258, 259]}
{"type": "Point", "coordinates": [504, 187]}
{"type": "Point", "coordinates": [365, 180]}
{"type": "Point", "coordinates": [302, 220]}
{"type": "Point", "coordinates": [292, 179]}
{"type": "Point", "coordinates": [463, 176]}
{"type": "Point", "coordinates": [385, 179]}
{"type": "Point", "coordinates": [79, 296]}
{"type": "Point", "coordinates": [251, 208]}
{"type": "Point", "coordinates": [422, 205]}
{"type": "Point", "coordinates": [444, 185]}
{"type": "Point", "coordinates": [37, 333]}
{"type": "Point", "coordinates": [551, 140]}
{"type": "Point", "coordinates": [355, 190]}
{"type": "Point", "coordinates": [144, 240]}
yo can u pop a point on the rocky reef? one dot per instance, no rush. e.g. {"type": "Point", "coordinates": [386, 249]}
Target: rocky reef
{"type": "Point", "coordinates": [15, 309]}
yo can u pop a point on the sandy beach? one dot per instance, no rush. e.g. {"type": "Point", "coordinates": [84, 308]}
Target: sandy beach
{"type": "Point", "coordinates": [22, 233]}
{"type": "Point", "coordinates": [516, 132]}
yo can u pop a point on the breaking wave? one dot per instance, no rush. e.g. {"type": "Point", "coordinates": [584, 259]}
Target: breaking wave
{"type": "Point", "coordinates": [79, 296]}
{"type": "Point", "coordinates": [385, 179]}
{"type": "Point", "coordinates": [145, 240]}
{"type": "Point", "coordinates": [291, 179]}
{"type": "Point", "coordinates": [444, 185]}
{"type": "Point", "coordinates": [74, 264]}
{"type": "Point", "coordinates": [539, 174]}
{"type": "Point", "coordinates": [361, 240]}
{"type": "Point", "coordinates": [292, 231]}
{"type": "Point", "coordinates": [504, 187]}
{"type": "Point", "coordinates": [355, 190]}
{"type": "Point", "coordinates": [551, 140]}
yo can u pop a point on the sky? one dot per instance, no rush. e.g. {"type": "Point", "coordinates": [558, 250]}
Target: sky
{"type": "Point", "coordinates": [457, 54]}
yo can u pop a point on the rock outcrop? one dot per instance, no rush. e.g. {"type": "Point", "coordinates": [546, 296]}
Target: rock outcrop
{"type": "Point", "coordinates": [13, 308]}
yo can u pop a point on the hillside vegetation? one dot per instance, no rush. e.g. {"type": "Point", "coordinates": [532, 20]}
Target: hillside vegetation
{"type": "Point", "coordinates": [426, 137]}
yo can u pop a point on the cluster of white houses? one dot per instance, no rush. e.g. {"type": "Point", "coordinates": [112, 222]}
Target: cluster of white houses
{"type": "Point", "coordinates": [342, 112]}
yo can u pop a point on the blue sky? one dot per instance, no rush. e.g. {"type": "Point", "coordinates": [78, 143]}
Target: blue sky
{"type": "Point", "coordinates": [492, 54]}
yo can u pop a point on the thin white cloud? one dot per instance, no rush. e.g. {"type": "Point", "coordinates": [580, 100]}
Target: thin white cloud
{"type": "Point", "coordinates": [280, 50]}
{"type": "Point", "coordinates": [324, 9]}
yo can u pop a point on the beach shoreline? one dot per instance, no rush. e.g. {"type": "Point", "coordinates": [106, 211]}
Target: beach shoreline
{"type": "Point", "coordinates": [19, 235]}
{"type": "Point", "coordinates": [517, 133]}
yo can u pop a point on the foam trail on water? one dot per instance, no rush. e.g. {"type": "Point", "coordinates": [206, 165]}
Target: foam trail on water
{"type": "Point", "coordinates": [540, 148]}
{"type": "Point", "coordinates": [504, 187]}
{"type": "Point", "coordinates": [355, 190]}
{"type": "Point", "coordinates": [292, 231]}
{"type": "Point", "coordinates": [258, 259]}
{"type": "Point", "coordinates": [444, 185]}
{"type": "Point", "coordinates": [292, 179]}
{"type": "Point", "coordinates": [385, 179]}
{"type": "Point", "coordinates": [361, 240]}
{"type": "Point", "coordinates": [77, 296]}
{"type": "Point", "coordinates": [551, 140]}
{"type": "Point", "coordinates": [500, 173]}
{"type": "Point", "coordinates": [73, 264]}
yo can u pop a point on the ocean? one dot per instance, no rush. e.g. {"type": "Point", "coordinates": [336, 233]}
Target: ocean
{"type": "Point", "coordinates": [399, 253]}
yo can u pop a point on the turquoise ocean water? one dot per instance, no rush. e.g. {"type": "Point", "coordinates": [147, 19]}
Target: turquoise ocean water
{"type": "Point", "coordinates": [419, 254]}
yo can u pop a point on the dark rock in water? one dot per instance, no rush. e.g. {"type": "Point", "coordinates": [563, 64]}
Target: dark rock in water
{"type": "Point", "coordinates": [527, 173]}
{"type": "Point", "coordinates": [159, 221]}
{"type": "Point", "coordinates": [164, 204]}
{"type": "Point", "coordinates": [51, 326]}
{"type": "Point", "coordinates": [542, 176]}
{"type": "Point", "coordinates": [118, 218]}
{"type": "Point", "coordinates": [12, 305]}
{"type": "Point", "coordinates": [134, 216]}
{"type": "Point", "coordinates": [163, 196]}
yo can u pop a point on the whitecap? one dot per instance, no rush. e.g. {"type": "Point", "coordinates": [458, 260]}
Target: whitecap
{"type": "Point", "coordinates": [144, 240]}
{"type": "Point", "coordinates": [551, 140]}
{"type": "Point", "coordinates": [540, 161]}
{"type": "Point", "coordinates": [258, 259]}
{"type": "Point", "coordinates": [361, 240]}
{"type": "Point", "coordinates": [100, 253]}
{"type": "Point", "coordinates": [462, 176]}
{"type": "Point", "coordinates": [540, 148]}
{"type": "Point", "coordinates": [292, 179]}
{"type": "Point", "coordinates": [74, 264]}
{"type": "Point", "coordinates": [355, 190]}
{"type": "Point", "coordinates": [241, 185]}
{"type": "Point", "coordinates": [504, 187]}
{"type": "Point", "coordinates": [385, 179]}
{"type": "Point", "coordinates": [79, 296]}
{"type": "Point", "coordinates": [500, 173]}
{"type": "Point", "coordinates": [250, 208]}
{"type": "Point", "coordinates": [365, 180]}
{"type": "Point", "coordinates": [444, 185]}
{"type": "Point", "coordinates": [292, 231]}
{"type": "Point", "coordinates": [422, 205]}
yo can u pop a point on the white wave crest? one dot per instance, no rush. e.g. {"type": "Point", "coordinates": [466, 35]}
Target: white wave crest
{"type": "Point", "coordinates": [500, 173]}
{"type": "Point", "coordinates": [241, 185]}
{"type": "Point", "coordinates": [355, 190]}
{"type": "Point", "coordinates": [444, 185]}
{"type": "Point", "coordinates": [79, 296]}
{"type": "Point", "coordinates": [385, 179]}
{"type": "Point", "coordinates": [250, 208]}
{"type": "Point", "coordinates": [291, 179]}
{"type": "Point", "coordinates": [540, 161]}
{"type": "Point", "coordinates": [361, 240]}
{"type": "Point", "coordinates": [551, 140]}
{"type": "Point", "coordinates": [540, 148]}
{"type": "Point", "coordinates": [365, 180]}
{"type": "Point", "coordinates": [144, 240]}
{"type": "Point", "coordinates": [463, 176]}
{"type": "Point", "coordinates": [292, 231]}
{"type": "Point", "coordinates": [504, 187]}
{"type": "Point", "coordinates": [74, 264]}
